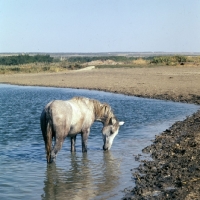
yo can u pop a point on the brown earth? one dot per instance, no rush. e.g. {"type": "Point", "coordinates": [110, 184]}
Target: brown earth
{"type": "Point", "coordinates": [173, 83]}
{"type": "Point", "coordinates": [174, 172]}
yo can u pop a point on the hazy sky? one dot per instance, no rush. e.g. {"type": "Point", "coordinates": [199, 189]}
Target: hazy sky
{"type": "Point", "coordinates": [99, 25]}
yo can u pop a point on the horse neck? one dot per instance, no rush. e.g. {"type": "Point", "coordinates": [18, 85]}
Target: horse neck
{"type": "Point", "coordinates": [102, 112]}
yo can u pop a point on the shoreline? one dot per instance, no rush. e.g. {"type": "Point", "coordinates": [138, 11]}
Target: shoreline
{"type": "Point", "coordinates": [175, 169]}
{"type": "Point", "coordinates": [174, 172]}
{"type": "Point", "coordinates": [194, 99]}
{"type": "Point", "coordinates": [179, 84]}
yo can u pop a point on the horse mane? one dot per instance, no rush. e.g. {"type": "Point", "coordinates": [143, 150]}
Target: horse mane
{"type": "Point", "coordinates": [102, 111]}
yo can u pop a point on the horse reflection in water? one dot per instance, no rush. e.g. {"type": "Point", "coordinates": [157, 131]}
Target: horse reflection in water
{"type": "Point", "coordinates": [84, 179]}
{"type": "Point", "coordinates": [68, 118]}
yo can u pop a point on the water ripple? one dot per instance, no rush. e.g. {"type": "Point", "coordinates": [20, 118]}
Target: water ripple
{"type": "Point", "coordinates": [24, 173]}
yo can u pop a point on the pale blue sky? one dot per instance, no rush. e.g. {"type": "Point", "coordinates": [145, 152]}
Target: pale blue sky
{"type": "Point", "coordinates": [99, 25]}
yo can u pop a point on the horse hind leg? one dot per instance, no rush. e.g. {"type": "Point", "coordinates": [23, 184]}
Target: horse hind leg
{"type": "Point", "coordinates": [59, 133]}
{"type": "Point", "coordinates": [57, 146]}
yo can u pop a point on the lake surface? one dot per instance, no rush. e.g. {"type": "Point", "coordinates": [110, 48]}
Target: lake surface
{"type": "Point", "coordinates": [24, 173]}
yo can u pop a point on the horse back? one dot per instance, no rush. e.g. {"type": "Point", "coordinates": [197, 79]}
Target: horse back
{"type": "Point", "coordinates": [69, 117]}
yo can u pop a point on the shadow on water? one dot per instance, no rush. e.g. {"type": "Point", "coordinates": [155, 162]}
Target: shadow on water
{"type": "Point", "coordinates": [80, 181]}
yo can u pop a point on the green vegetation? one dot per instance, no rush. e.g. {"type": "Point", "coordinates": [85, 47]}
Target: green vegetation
{"type": "Point", "coordinates": [24, 59]}
{"type": "Point", "coordinates": [45, 63]}
{"type": "Point", "coordinates": [39, 67]}
{"type": "Point", "coordinates": [169, 60]}
{"type": "Point", "coordinates": [85, 59]}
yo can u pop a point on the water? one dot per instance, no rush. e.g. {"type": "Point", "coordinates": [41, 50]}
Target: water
{"type": "Point", "coordinates": [24, 173]}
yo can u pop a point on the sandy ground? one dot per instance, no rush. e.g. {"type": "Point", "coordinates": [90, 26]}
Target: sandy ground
{"type": "Point", "coordinates": [173, 83]}
{"type": "Point", "coordinates": [174, 172]}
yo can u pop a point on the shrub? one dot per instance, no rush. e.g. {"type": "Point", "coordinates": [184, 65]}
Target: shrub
{"type": "Point", "coordinates": [169, 60]}
{"type": "Point", "coordinates": [23, 59]}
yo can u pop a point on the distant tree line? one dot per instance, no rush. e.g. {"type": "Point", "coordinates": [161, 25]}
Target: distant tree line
{"type": "Point", "coordinates": [24, 59]}
{"type": "Point", "coordinates": [84, 59]}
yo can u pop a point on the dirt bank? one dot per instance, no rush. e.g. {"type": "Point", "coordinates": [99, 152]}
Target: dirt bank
{"type": "Point", "coordinates": [172, 83]}
{"type": "Point", "coordinates": [174, 172]}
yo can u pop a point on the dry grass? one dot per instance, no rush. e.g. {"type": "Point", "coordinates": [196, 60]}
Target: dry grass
{"type": "Point", "coordinates": [33, 68]}
{"type": "Point", "coordinates": [140, 61]}
{"type": "Point", "coordinates": [65, 65]}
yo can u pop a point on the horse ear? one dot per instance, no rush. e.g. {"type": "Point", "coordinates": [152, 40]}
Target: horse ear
{"type": "Point", "coordinates": [106, 109]}
{"type": "Point", "coordinates": [112, 121]}
{"type": "Point", "coordinates": [121, 123]}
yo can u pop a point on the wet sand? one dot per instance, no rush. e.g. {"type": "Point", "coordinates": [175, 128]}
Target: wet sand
{"type": "Point", "coordinates": [175, 169]}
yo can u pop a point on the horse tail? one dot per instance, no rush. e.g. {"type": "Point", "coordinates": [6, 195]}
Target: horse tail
{"type": "Point", "coordinates": [47, 132]}
{"type": "Point", "coordinates": [48, 141]}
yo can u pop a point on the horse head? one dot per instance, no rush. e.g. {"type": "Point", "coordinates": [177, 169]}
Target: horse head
{"type": "Point", "coordinates": [109, 132]}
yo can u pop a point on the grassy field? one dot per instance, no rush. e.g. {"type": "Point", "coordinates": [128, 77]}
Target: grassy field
{"type": "Point", "coordinates": [78, 62]}
{"type": "Point", "coordinates": [30, 68]}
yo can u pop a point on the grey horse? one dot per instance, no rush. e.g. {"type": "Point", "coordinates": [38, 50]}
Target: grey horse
{"type": "Point", "coordinates": [60, 119]}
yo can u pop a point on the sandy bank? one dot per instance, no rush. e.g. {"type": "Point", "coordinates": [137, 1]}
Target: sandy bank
{"type": "Point", "coordinates": [173, 83]}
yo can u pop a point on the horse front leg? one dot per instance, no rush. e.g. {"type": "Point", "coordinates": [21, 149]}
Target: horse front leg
{"type": "Point", "coordinates": [73, 142]}
{"type": "Point", "coordinates": [84, 136]}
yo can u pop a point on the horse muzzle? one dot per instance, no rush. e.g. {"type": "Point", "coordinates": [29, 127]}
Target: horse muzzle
{"type": "Point", "coordinates": [105, 148]}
